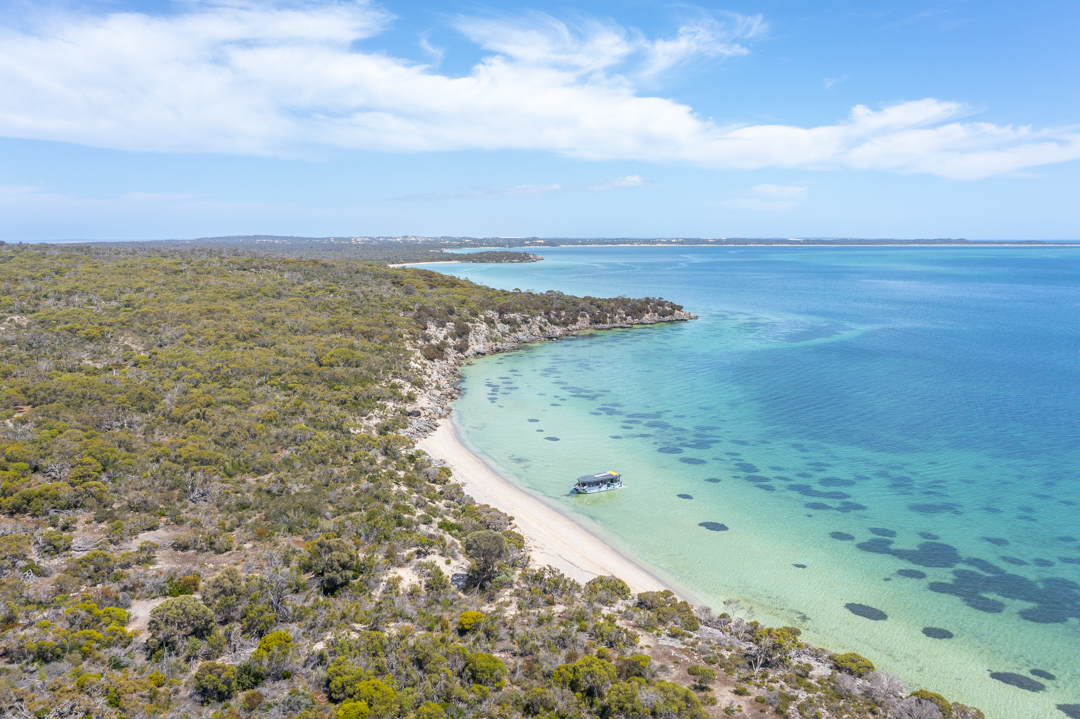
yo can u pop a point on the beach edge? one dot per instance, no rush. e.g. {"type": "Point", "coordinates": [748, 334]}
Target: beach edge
{"type": "Point", "coordinates": [552, 537]}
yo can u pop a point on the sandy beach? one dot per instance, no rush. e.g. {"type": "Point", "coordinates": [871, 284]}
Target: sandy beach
{"type": "Point", "coordinates": [551, 537]}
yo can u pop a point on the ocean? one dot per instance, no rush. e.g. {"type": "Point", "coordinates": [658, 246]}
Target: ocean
{"type": "Point", "coordinates": [877, 445]}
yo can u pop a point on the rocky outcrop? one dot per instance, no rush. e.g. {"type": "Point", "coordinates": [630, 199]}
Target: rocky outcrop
{"type": "Point", "coordinates": [446, 347]}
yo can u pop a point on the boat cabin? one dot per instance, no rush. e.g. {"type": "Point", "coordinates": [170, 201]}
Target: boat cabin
{"type": "Point", "coordinates": [598, 482]}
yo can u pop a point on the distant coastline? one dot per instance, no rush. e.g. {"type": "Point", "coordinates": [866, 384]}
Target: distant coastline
{"type": "Point", "coordinates": [415, 249]}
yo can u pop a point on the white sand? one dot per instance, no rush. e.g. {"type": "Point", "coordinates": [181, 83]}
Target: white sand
{"type": "Point", "coordinates": [551, 537]}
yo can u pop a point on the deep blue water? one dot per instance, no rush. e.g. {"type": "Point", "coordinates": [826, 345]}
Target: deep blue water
{"type": "Point", "coordinates": [892, 428]}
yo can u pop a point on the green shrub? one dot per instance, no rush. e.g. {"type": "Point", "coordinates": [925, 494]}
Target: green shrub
{"type": "Point", "coordinates": [704, 676]}
{"type": "Point", "coordinates": [635, 665]}
{"type": "Point", "coordinates": [941, 702]}
{"type": "Point", "coordinates": [588, 675]}
{"type": "Point", "coordinates": [178, 618]}
{"type": "Point", "coordinates": [606, 590]}
{"type": "Point", "coordinates": [341, 679]}
{"type": "Point", "coordinates": [353, 710]}
{"type": "Point", "coordinates": [334, 560]}
{"type": "Point", "coordinates": [55, 543]}
{"type": "Point", "coordinates": [853, 663]}
{"type": "Point", "coordinates": [251, 701]}
{"type": "Point", "coordinates": [452, 528]}
{"type": "Point", "coordinates": [469, 620]}
{"type": "Point", "coordinates": [437, 582]}
{"type": "Point", "coordinates": [223, 593]}
{"type": "Point", "coordinates": [665, 608]}
{"type": "Point", "coordinates": [514, 539]}
{"type": "Point", "coordinates": [430, 710]}
{"type": "Point", "coordinates": [179, 586]}
{"type": "Point", "coordinates": [485, 669]}
{"type": "Point", "coordinates": [273, 654]}
{"type": "Point", "coordinates": [362, 695]}
{"type": "Point", "coordinates": [249, 675]}
{"type": "Point", "coordinates": [623, 699]}
{"type": "Point", "coordinates": [95, 566]}
{"type": "Point", "coordinates": [215, 682]}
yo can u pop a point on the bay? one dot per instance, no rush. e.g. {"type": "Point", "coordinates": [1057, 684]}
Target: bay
{"type": "Point", "coordinates": [877, 445]}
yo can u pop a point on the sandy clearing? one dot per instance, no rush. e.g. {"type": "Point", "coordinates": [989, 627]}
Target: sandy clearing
{"type": "Point", "coordinates": [551, 537]}
{"type": "Point", "coordinates": [139, 613]}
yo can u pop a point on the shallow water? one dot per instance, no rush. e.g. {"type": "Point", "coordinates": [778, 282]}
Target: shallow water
{"type": "Point", "coordinates": [875, 445]}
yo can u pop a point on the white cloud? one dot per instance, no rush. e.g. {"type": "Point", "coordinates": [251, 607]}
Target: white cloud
{"type": "Point", "coordinates": [707, 36]}
{"type": "Point", "coordinates": [771, 198]}
{"type": "Point", "coordinates": [541, 41]}
{"type": "Point", "coordinates": [436, 53]}
{"type": "Point", "coordinates": [532, 190]}
{"type": "Point", "coordinates": [781, 192]}
{"type": "Point", "coordinates": [157, 197]}
{"type": "Point", "coordinates": [250, 78]}
{"type": "Point", "coordinates": [618, 183]}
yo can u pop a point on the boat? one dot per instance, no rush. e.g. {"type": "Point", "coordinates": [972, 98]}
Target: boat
{"type": "Point", "coordinates": [602, 482]}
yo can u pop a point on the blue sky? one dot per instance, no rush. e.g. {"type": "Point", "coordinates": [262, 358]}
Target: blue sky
{"type": "Point", "coordinates": [129, 120]}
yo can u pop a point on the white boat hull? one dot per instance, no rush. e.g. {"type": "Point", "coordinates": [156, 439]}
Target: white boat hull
{"type": "Point", "coordinates": [594, 490]}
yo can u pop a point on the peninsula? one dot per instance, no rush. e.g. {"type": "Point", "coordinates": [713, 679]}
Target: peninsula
{"type": "Point", "coordinates": [215, 504]}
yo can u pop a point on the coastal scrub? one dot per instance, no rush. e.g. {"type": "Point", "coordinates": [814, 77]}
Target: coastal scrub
{"type": "Point", "coordinates": [213, 503]}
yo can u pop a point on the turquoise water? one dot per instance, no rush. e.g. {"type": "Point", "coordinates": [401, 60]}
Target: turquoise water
{"type": "Point", "coordinates": [876, 445]}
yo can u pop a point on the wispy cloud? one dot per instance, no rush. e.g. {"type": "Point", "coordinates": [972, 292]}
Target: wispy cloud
{"type": "Point", "coordinates": [484, 193]}
{"type": "Point", "coordinates": [770, 198]}
{"type": "Point", "coordinates": [51, 201]}
{"type": "Point", "coordinates": [436, 53]}
{"type": "Point", "coordinates": [706, 37]}
{"type": "Point", "coordinates": [248, 78]}
{"type": "Point", "coordinates": [618, 183]}
{"type": "Point", "coordinates": [780, 192]}
{"type": "Point", "coordinates": [531, 190]}
{"type": "Point", "coordinates": [158, 197]}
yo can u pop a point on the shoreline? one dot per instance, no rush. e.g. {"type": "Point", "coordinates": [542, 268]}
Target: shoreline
{"type": "Point", "coordinates": [552, 537]}
{"type": "Point", "coordinates": [976, 245]}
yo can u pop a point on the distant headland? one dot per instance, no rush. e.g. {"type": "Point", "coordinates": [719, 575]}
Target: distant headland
{"type": "Point", "coordinates": [413, 249]}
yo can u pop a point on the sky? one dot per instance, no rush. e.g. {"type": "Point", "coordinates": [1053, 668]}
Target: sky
{"type": "Point", "coordinates": [159, 119]}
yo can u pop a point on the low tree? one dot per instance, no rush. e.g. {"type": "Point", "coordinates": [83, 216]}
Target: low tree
{"type": "Point", "coordinates": [334, 560]}
{"type": "Point", "coordinates": [178, 618]}
{"type": "Point", "coordinates": [486, 549]}
{"type": "Point", "coordinates": [772, 647]}
{"type": "Point", "coordinates": [224, 594]}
